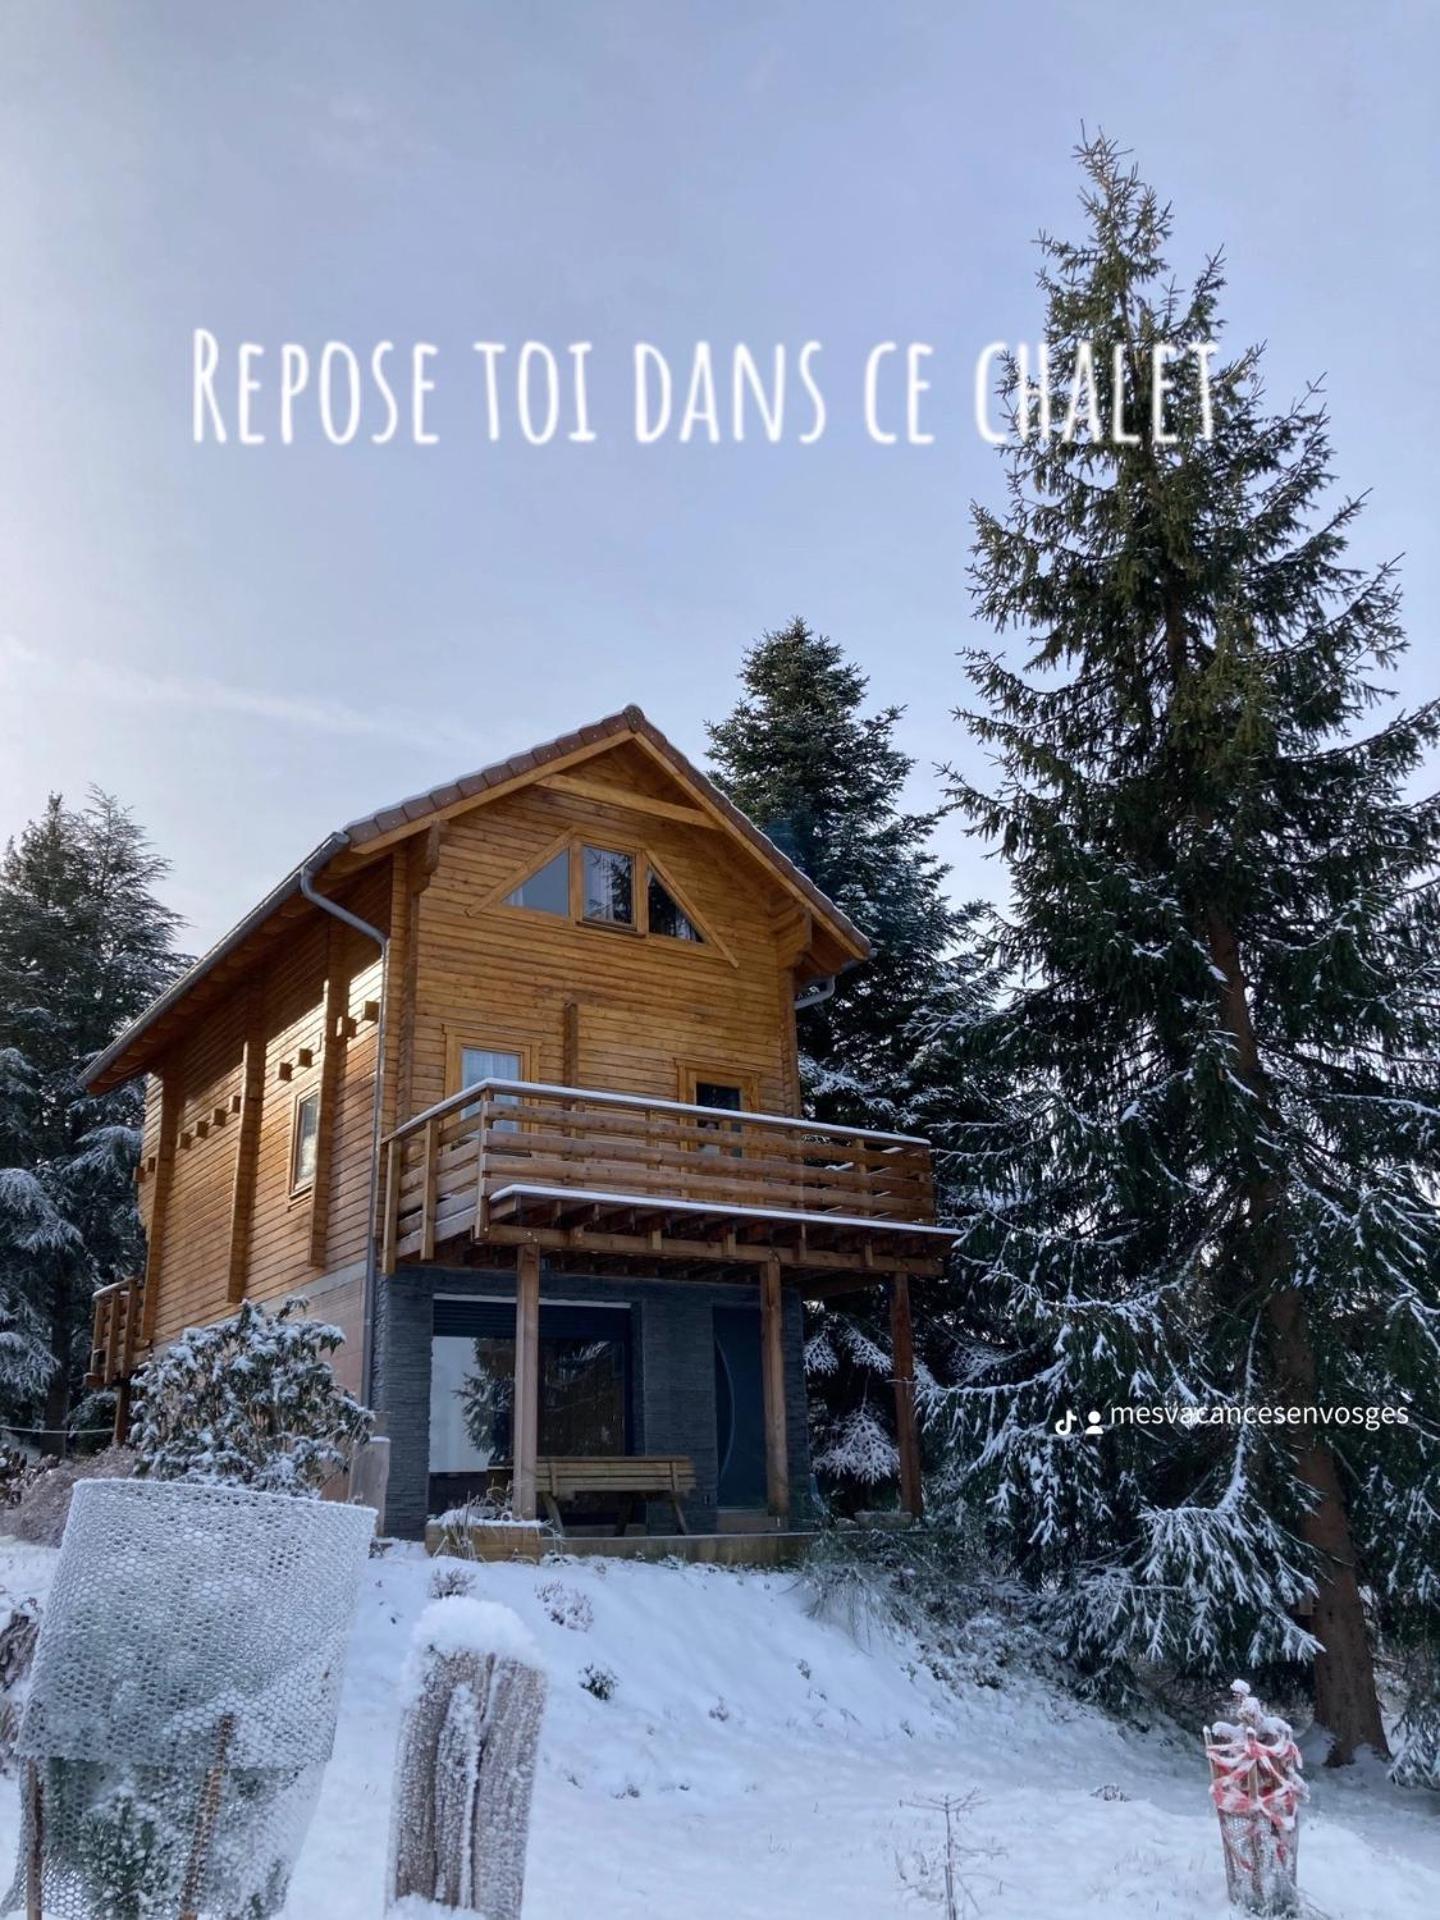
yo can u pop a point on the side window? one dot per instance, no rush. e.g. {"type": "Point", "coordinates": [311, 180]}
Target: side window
{"type": "Point", "coordinates": [304, 1141]}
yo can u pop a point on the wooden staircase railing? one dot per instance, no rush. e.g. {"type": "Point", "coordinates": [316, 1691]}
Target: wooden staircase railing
{"type": "Point", "coordinates": [117, 1334]}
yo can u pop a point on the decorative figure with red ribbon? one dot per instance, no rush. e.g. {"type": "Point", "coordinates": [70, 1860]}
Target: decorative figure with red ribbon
{"type": "Point", "coordinates": [1255, 1783]}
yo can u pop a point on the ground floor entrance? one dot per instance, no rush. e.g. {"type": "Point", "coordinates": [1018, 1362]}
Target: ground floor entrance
{"type": "Point", "coordinates": [637, 1368]}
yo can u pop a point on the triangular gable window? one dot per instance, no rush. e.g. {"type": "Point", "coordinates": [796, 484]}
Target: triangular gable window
{"type": "Point", "coordinates": [547, 890]}
{"type": "Point", "coordinates": [667, 916]}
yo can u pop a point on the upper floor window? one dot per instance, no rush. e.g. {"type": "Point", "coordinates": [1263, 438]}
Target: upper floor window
{"type": "Point", "coordinates": [667, 916]}
{"type": "Point", "coordinates": [546, 891]}
{"type": "Point", "coordinates": [609, 887]}
{"type": "Point", "coordinates": [305, 1141]}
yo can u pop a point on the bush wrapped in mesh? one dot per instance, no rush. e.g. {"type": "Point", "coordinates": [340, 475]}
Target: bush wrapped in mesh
{"type": "Point", "coordinates": [184, 1700]}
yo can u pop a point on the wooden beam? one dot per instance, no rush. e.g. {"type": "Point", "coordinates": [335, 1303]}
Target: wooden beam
{"type": "Point", "coordinates": [772, 1356]}
{"type": "Point", "coordinates": [570, 1057]}
{"type": "Point", "coordinates": [170, 1105]}
{"type": "Point", "coordinates": [525, 1420]}
{"type": "Point", "coordinates": [629, 798]}
{"type": "Point", "coordinates": [902, 1338]}
{"type": "Point", "coordinates": [337, 1002]}
{"type": "Point", "coordinates": [252, 1103]}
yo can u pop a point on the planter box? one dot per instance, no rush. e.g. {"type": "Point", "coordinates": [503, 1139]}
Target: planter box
{"type": "Point", "coordinates": [489, 1539]}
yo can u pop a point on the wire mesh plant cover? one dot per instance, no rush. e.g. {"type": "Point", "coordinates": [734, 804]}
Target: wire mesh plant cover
{"type": "Point", "coordinates": [1256, 1786]}
{"type": "Point", "coordinates": [465, 1769]}
{"type": "Point", "coordinates": [184, 1700]}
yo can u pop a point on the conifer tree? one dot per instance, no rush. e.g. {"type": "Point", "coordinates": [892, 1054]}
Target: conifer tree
{"type": "Point", "coordinates": [1213, 1183]}
{"type": "Point", "coordinates": [824, 779]}
{"type": "Point", "coordinates": [84, 947]}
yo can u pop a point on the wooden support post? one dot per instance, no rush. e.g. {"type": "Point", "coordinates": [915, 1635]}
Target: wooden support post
{"type": "Point", "coordinates": [170, 1104]}
{"type": "Point", "coordinates": [526, 1414]}
{"type": "Point", "coordinates": [429, 1189]}
{"type": "Point", "coordinates": [902, 1339]}
{"type": "Point", "coordinates": [570, 1047]}
{"type": "Point", "coordinates": [121, 1434]}
{"type": "Point", "coordinates": [247, 1144]}
{"type": "Point", "coordinates": [772, 1355]}
{"type": "Point", "coordinates": [390, 1232]}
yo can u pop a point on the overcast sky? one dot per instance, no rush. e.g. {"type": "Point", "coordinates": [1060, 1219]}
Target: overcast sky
{"type": "Point", "coordinates": [251, 645]}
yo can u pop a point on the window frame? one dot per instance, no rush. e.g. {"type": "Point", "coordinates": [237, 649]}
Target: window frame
{"type": "Point", "coordinates": [460, 1040]}
{"type": "Point", "coordinates": [573, 843]}
{"type": "Point", "coordinates": [303, 1184]}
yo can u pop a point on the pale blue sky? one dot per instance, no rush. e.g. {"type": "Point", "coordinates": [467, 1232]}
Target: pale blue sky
{"type": "Point", "coordinates": [252, 645]}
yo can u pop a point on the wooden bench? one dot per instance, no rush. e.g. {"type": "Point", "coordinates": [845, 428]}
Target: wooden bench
{"type": "Point", "coordinates": [662, 1476]}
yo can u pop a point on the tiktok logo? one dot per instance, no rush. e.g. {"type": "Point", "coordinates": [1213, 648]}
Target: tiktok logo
{"type": "Point", "coordinates": [1093, 1423]}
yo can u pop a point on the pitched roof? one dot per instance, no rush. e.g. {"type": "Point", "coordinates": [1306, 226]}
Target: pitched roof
{"type": "Point", "coordinates": [132, 1051]}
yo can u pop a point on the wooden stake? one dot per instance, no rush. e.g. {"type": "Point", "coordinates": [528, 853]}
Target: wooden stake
{"type": "Point", "coordinates": [208, 1813]}
{"type": "Point", "coordinates": [35, 1851]}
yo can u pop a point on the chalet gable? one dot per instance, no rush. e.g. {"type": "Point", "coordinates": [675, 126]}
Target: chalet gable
{"type": "Point", "coordinates": [621, 770]}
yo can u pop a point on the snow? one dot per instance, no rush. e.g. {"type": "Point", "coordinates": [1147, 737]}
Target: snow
{"type": "Point", "coordinates": [459, 1624]}
{"type": "Point", "coordinates": [751, 1759]}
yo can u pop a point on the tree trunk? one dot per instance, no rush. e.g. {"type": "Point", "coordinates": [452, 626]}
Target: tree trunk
{"type": "Point", "coordinates": [1346, 1703]}
{"type": "Point", "coordinates": [57, 1392]}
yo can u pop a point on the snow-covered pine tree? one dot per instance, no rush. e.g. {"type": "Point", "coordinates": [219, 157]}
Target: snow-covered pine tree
{"type": "Point", "coordinates": [1214, 1184]}
{"type": "Point", "coordinates": [825, 781]}
{"type": "Point", "coordinates": [84, 947]}
{"type": "Point", "coordinates": [249, 1402]}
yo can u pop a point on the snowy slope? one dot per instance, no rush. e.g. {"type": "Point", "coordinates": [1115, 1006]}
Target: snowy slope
{"type": "Point", "coordinates": [754, 1762]}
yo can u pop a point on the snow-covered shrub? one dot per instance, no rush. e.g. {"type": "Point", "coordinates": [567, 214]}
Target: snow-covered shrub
{"type": "Point", "coordinates": [599, 1681]}
{"type": "Point", "coordinates": [1417, 1738]}
{"type": "Point", "coordinates": [466, 1766]}
{"type": "Point", "coordinates": [566, 1606]}
{"type": "Point", "coordinates": [17, 1651]}
{"type": "Point", "coordinates": [250, 1401]}
{"type": "Point", "coordinates": [973, 1621]}
{"type": "Point", "coordinates": [448, 1582]}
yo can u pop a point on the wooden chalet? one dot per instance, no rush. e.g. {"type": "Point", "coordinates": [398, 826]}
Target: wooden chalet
{"type": "Point", "coordinates": [504, 1080]}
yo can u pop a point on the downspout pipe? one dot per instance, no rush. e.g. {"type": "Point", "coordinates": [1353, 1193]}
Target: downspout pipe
{"type": "Point", "coordinates": [321, 857]}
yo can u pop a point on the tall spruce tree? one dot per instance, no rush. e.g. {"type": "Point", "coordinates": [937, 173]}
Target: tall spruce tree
{"type": "Point", "coordinates": [824, 779]}
{"type": "Point", "coordinates": [1213, 1182]}
{"type": "Point", "coordinates": [84, 947]}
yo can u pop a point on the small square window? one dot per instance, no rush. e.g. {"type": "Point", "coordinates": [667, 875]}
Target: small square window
{"type": "Point", "coordinates": [609, 887]}
{"type": "Point", "coordinates": [305, 1142]}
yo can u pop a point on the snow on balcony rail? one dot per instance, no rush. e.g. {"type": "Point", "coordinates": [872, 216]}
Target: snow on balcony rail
{"type": "Point", "coordinates": [471, 1095]}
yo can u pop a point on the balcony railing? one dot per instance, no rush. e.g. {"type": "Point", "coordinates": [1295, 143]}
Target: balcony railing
{"type": "Point", "coordinates": [512, 1159]}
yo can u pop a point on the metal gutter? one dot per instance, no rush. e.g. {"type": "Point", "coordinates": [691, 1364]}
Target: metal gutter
{"type": "Point", "coordinates": [308, 869]}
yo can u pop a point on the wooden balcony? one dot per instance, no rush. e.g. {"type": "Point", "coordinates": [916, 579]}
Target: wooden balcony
{"type": "Point", "coordinates": [619, 1182]}
{"type": "Point", "coordinates": [117, 1333]}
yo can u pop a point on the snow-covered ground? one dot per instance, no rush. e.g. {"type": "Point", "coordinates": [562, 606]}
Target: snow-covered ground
{"type": "Point", "coordinates": [752, 1761]}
